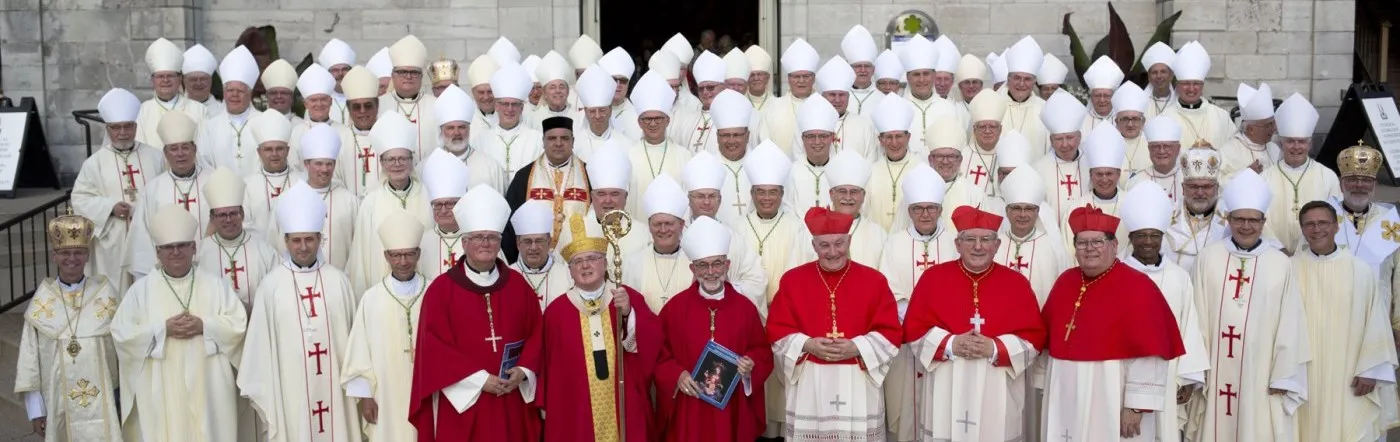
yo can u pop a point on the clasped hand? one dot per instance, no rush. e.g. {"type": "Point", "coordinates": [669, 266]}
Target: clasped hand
{"type": "Point", "coordinates": [500, 387]}
{"type": "Point", "coordinates": [184, 326]}
{"type": "Point", "coordinates": [972, 345]}
{"type": "Point", "coordinates": [828, 349]}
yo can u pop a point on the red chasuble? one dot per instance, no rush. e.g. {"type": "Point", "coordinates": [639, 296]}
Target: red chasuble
{"type": "Point", "coordinates": [864, 304]}
{"type": "Point", "coordinates": [943, 299]}
{"type": "Point", "coordinates": [685, 321]}
{"type": "Point", "coordinates": [1123, 316]}
{"type": "Point", "coordinates": [564, 392]}
{"type": "Point", "coordinates": [454, 341]}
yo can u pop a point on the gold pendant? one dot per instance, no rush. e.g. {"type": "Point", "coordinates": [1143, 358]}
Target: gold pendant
{"type": "Point", "coordinates": [74, 348]}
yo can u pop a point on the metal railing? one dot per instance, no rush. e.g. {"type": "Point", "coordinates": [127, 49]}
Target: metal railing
{"type": "Point", "coordinates": [27, 250]}
{"type": "Point", "coordinates": [86, 118]}
{"type": "Point", "coordinates": [1372, 42]}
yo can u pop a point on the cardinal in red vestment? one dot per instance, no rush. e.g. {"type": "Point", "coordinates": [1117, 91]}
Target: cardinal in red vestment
{"type": "Point", "coordinates": [581, 370]}
{"type": "Point", "coordinates": [711, 310]}
{"type": "Point", "coordinates": [837, 319]}
{"type": "Point", "coordinates": [479, 340]}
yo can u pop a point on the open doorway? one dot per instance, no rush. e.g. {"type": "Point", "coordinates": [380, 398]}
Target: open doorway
{"type": "Point", "coordinates": [642, 26]}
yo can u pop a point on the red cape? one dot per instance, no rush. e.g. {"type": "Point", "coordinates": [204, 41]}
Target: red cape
{"type": "Point", "coordinates": [864, 304]}
{"type": "Point", "coordinates": [685, 321]}
{"type": "Point", "coordinates": [452, 332]}
{"type": "Point", "coordinates": [943, 299]}
{"type": "Point", "coordinates": [564, 392]}
{"type": "Point", "coordinates": [1123, 316]}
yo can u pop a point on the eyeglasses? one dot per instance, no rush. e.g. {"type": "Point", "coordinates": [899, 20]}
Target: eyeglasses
{"type": "Point", "coordinates": [396, 160]}
{"type": "Point", "coordinates": [651, 120]}
{"type": "Point", "coordinates": [366, 106]}
{"type": "Point", "coordinates": [403, 255]}
{"type": "Point", "coordinates": [484, 239]}
{"type": "Point", "coordinates": [225, 216]}
{"type": "Point", "coordinates": [167, 248]}
{"type": "Point", "coordinates": [1088, 244]}
{"type": "Point", "coordinates": [409, 73]}
{"type": "Point", "coordinates": [848, 191]}
{"type": "Point", "coordinates": [1247, 221]}
{"type": "Point", "coordinates": [1130, 120]}
{"type": "Point", "coordinates": [976, 241]}
{"type": "Point", "coordinates": [923, 210]}
{"type": "Point", "coordinates": [510, 104]}
{"type": "Point", "coordinates": [705, 266]}
{"type": "Point", "coordinates": [817, 137]}
{"type": "Point", "coordinates": [590, 260]}
{"type": "Point", "coordinates": [526, 243]}
{"type": "Point", "coordinates": [947, 157]}
{"type": "Point", "coordinates": [1320, 224]}
{"type": "Point", "coordinates": [166, 77]}
{"type": "Point", "coordinates": [441, 206]}
{"type": "Point", "coordinates": [1198, 187]}
{"type": "Point", "coordinates": [986, 127]}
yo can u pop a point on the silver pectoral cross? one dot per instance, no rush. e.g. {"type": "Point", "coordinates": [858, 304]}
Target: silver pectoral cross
{"type": "Point", "coordinates": [977, 321]}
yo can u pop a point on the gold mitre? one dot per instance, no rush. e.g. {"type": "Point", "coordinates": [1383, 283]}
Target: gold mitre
{"type": "Point", "coordinates": [1359, 160]}
{"type": "Point", "coordinates": [443, 69]}
{"type": "Point", "coordinates": [582, 242]}
{"type": "Point", "coordinates": [70, 231]}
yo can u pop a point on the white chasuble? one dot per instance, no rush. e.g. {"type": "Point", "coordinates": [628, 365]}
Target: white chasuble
{"type": "Point", "coordinates": [1350, 336]}
{"type": "Point", "coordinates": [512, 148]}
{"type": "Point", "coordinates": [1139, 158]}
{"type": "Point", "coordinates": [296, 346]}
{"type": "Point", "coordinates": [957, 193]}
{"type": "Point", "coordinates": [970, 399]}
{"type": "Point", "coordinates": [152, 110]}
{"type": "Point", "coordinates": [548, 282]}
{"type": "Point", "coordinates": [419, 112]}
{"type": "Point", "coordinates": [1256, 339]}
{"type": "Point", "coordinates": [1040, 257]}
{"type": "Point", "coordinates": [668, 158]}
{"type": "Point", "coordinates": [1293, 187]}
{"type": "Point", "coordinates": [586, 142]}
{"type": "Point", "coordinates": [1188, 369]}
{"type": "Point", "coordinates": [759, 101]}
{"type": "Point", "coordinates": [807, 187]}
{"type": "Point", "coordinates": [867, 245]}
{"type": "Point", "coordinates": [1371, 236]}
{"type": "Point", "coordinates": [358, 166]}
{"type": "Point", "coordinates": [882, 191]}
{"type": "Point", "coordinates": [1207, 124]}
{"type": "Point", "coordinates": [1239, 153]}
{"type": "Point", "coordinates": [337, 233]}
{"type": "Point", "coordinates": [106, 178]}
{"type": "Point", "coordinates": [179, 389]}
{"type": "Point", "coordinates": [1190, 234]}
{"type": "Point", "coordinates": [1084, 401]}
{"type": "Point", "coordinates": [773, 239]}
{"type": "Point", "coordinates": [242, 261]}
{"type": "Point", "coordinates": [863, 101]}
{"type": "Point", "coordinates": [67, 364]}
{"type": "Point", "coordinates": [980, 167]}
{"type": "Point", "coordinates": [852, 132]}
{"type": "Point", "coordinates": [347, 142]}
{"type": "Point", "coordinates": [840, 399]}
{"type": "Point", "coordinates": [926, 112]}
{"type": "Point", "coordinates": [481, 169]}
{"type": "Point", "coordinates": [1170, 182]}
{"type": "Point", "coordinates": [694, 131]}
{"type": "Point", "coordinates": [735, 201]}
{"type": "Point", "coordinates": [227, 141]}
{"type": "Point", "coordinates": [366, 265]}
{"type": "Point", "coordinates": [379, 359]}
{"type": "Point", "coordinates": [483, 123]}
{"type": "Point", "coordinates": [340, 113]}
{"type": "Point", "coordinates": [1070, 179]}
{"type": "Point", "coordinates": [1158, 104]}
{"type": "Point", "coordinates": [187, 192]}
{"type": "Point", "coordinates": [1024, 117]}
{"type": "Point", "coordinates": [439, 251]}
{"type": "Point", "coordinates": [907, 254]}
{"type": "Point", "coordinates": [565, 187]}
{"type": "Point", "coordinates": [780, 123]}
{"type": "Point", "coordinates": [624, 118]}
{"type": "Point", "coordinates": [658, 276]}
{"type": "Point", "coordinates": [260, 192]}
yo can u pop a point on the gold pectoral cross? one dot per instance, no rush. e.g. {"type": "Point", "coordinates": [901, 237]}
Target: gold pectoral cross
{"type": "Point", "coordinates": [83, 392]}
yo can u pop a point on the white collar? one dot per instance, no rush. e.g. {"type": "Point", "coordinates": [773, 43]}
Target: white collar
{"type": "Point", "coordinates": [288, 263]}
{"type": "Point", "coordinates": [71, 287]}
{"type": "Point", "coordinates": [481, 279]}
{"type": "Point", "coordinates": [711, 296]}
{"type": "Point", "coordinates": [592, 295]}
{"type": "Point", "coordinates": [548, 262]}
{"type": "Point", "coordinates": [405, 289]}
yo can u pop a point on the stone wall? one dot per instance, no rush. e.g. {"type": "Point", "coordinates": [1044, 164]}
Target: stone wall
{"type": "Point", "coordinates": [66, 53]}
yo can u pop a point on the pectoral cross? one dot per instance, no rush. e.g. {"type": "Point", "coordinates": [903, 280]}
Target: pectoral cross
{"type": "Point", "coordinates": [276, 192]}
{"type": "Point", "coordinates": [1230, 337]}
{"type": "Point", "coordinates": [493, 339]}
{"type": "Point", "coordinates": [1020, 264]}
{"type": "Point", "coordinates": [1230, 395]}
{"type": "Point", "coordinates": [234, 269]}
{"type": "Point", "coordinates": [977, 174]}
{"type": "Point", "coordinates": [1066, 437]}
{"type": "Point", "coordinates": [838, 402]}
{"type": "Point", "coordinates": [740, 205]}
{"type": "Point", "coordinates": [186, 200]}
{"type": "Point", "coordinates": [320, 412]}
{"type": "Point", "coordinates": [83, 392]}
{"type": "Point", "coordinates": [1240, 280]}
{"type": "Point", "coordinates": [833, 334]}
{"type": "Point", "coordinates": [966, 421]}
{"type": "Point", "coordinates": [130, 174]}
{"type": "Point", "coordinates": [364, 156]}
{"type": "Point", "coordinates": [317, 353]}
{"type": "Point", "coordinates": [451, 259]}
{"type": "Point", "coordinates": [924, 262]}
{"type": "Point", "coordinates": [1069, 328]}
{"type": "Point", "coordinates": [1069, 184]}
{"type": "Point", "coordinates": [977, 321]}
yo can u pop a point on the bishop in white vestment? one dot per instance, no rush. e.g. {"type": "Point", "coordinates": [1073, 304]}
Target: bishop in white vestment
{"type": "Point", "coordinates": [409, 57]}
{"type": "Point", "coordinates": [919, 60]}
{"type": "Point", "coordinates": [67, 365]}
{"type": "Point", "coordinates": [336, 57]}
{"type": "Point", "coordinates": [319, 149]}
{"type": "Point", "coordinates": [781, 121]}
{"type": "Point", "coordinates": [324, 105]}
{"type": "Point", "coordinates": [808, 183]}
{"type": "Point", "coordinates": [1199, 221]}
{"type": "Point", "coordinates": [378, 368]}
{"type": "Point", "coordinates": [544, 270]}
{"type": "Point", "coordinates": [1025, 110]}
{"type": "Point", "coordinates": [609, 175]}
{"type": "Point", "coordinates": [178, 333]}
{"type": "Point", "coordinates": [705, 178]}
{"type": "Point", "coordinates": [510, 142]}
{"type": "Point", "coordinates": [1103, 159]}
{"type": "Point", "coordinates": [662, 270]}
{"type": "Point", "coordinates": [227, 138]}
{"type": "Point", "coordinates": [858, 49]}
{"type": "Point", "coordinates": [274, 174]}
{"type": "Point", "coordinates": [197, 71]}
{"type": "Point", "coordinates": [455, 112]}
{"type": "Point", "coordinates": [393, 143]}
{"type": "Point", "coordinates": [239, 256]}
{"type": "Point", "coordinates": [442, 244]}
{"type": "Point", "coordinates": [182, 185]}
{"type": "Point", "coordinates": [694, 128]}
{"type": "Point", "coordinates": [1063, 169]}
{"type": "Point", "coordinates": [895, 161]}
{"type": "Point", "coordinates": [1202, 122]}
{"type": "Point", "coordinates": [165, 61]}
{"type": "Point", "coordinates": [853, 131]}
{"type": "Point", "coordinates": [653, 99]}
{"type": "Point", "coordinates": [355, 165]}
{"type": "Point", "coordinates": [849, 176]}
{"type": "Point", "coordinates": [1129, 116]}
{"type": "Point", "coordinates": [597, 125]}
{"type": "Point", "coordinates": [298, 335]}
{"type": "Point", "coordinates": [732, 122]}
{"type": "Point", "coordinates": [1161, 136]}
{"type": "Point", "coordinates": [1031, 242]}
{"type": "Point", "coordinates": [980, 160]}
{"type": "Point", "coordinates": [1297, 178]}
{"type": "Point", "coordinates": [1364, 222]}
{"type": "Point", "coordinates": [1252, 146]}
{"type": "Point", "coordinates": [108, 184]}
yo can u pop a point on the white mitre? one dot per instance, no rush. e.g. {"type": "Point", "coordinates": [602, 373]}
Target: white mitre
{"type": "Point", "coordinates": [359, 84]}
{"type": "Point", "coordinates": [1023, 186]}
{"type": "Point", "coordinates": [736, 65]}
{"type": "Point", "coordinates": [1296, 117]}
{"type": "Point", "coordinates": [888, 66]}
{"type": "Point", "coordinates": [922, 185]}
{"type": "Point", "coordinates": [198, 59]}
{"type": "Point", "coordinates": [481, 70]}
{"type": "Point", "coordinates": [766, 165]}
{"type": "Point", "coordinates": [1062, 113]}
{"type": "Point", "coordinates": [1013, 150]}
{"type": "Point", "coordinates": [595, 87]}
{"type": "Point", "coordinates": [800, 56]}
{"type": "Point", "coordinates": [946, 132]}
{"type": "Point", "coordinates": [553, 67]}
{"type": "Point", "coordinates": [1103, 74]}
{"type": "Point", "coordinates": [759, 59]}
{"type": "Point", "coordinates": [971, 68]}
{"type": "Point", "coordinates": [535, 217]}
{"type": "Point", "coordinates": [119, 106]}
{"type": "Point", "coordinates": [816, 115]}
{"type": "Point", "coordinates": [652, 93]}
{"type": "Point", "coordinates": [172, 224]}
{"type": "Point", "coordinates": [893, 114]}
{"type": "Point", "coordinates": [1162, 128]}
{"type": "Point", "coordinates": [989, 105]}
{"type": "Point", "coordinates": [321, 142]}
{"type": "Point", "coordinates": [584, 52]}
{"type": "Point", "coordinates": [400, 230]}
{"type": "Point", "coordinates": [664, 195]}
{"type": "Point", "coordinates": [270, 127]}
{"type": "Point", "coordinates": [708, 68]}
{"type": "Point", "coordinates": [918, 54]}
{"type": "Point", "coordinates": [239, 66]}
{"type": "Point", "coordinates": [336, 52]}
{"type": "Point", "coordinates": [858, 46]}
{"type": "Point", "coordinates": [618, 63]}
{"type": "Point", "coordinates": [380, 64]}
{"type": "Point", "coordinates": [176, 128]}
{"type": "Point", "coordinates": [998, 68]}
{"type": "Point", "coordinates": [848, 168]}
{"type": "Point", "coordinates": [454, 105]}
{"type": "Point", "coordinates": [1146, 206]}
{"type": "Point", "coordinates": [1129, 97]}
{"type": "Point", "coordinates": [705, 238]}
{"type": "Point", "coordinates": [300, 210]}
{"type": "Point", "coordinates": [948, 55]}
{"type": "Point", "coordinates": [1052, 71]}
{"type": "Point", "coordinates": [1025, 57]}
{"type": "Point", "coordinates": [665, 64]}
{"type": "Point", "coordinates": [730, 110]}
{"type": "Point", "coordinates": [279, 75]}
{"type": "Point", "coordinates": [511, 81]}
{"type": "Point", "coordinates": [1104, 147]}
{"type": "Point", "coordinates": [408, 52]}
{"type": "Point", "coordinates": [703, 171]}
{"type": "Point", "coordinates": [836, 75]}
{"type": "Point", "coordinates": [531, 65]}
{"type": "Point", "coordinates": [1192, 62]}
{"type": "Point", "coordinates": [1255, 104]}
{"type": "Point", "coordinates": [678, 45]}
{"type": "Point", "coordinates": [1158, 53]}
{"type": "Point", "coordinates": [1247, 190]}
{"type": "Point", "coordinates": [445, 176]}
{"type": "Point", "coordinates": [316, 80]}
{"type": "Point", "coordinates": [224, 188]}
{"type": "Point", "coordinates": [504, 51]}
{"type": "Point", "coordinates": [393, 131]}
{"type": "Point", "coordinates": [482, 209]}
{"type": "Point", "coordinates": [610, 167]}
{"type": "Point", "coordinates": [1200, 163]}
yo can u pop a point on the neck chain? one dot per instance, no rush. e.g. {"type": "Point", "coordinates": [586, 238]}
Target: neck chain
{"type": "Point", "coordinates": [832, 292]}
{"type": "Point", "coordinates": [764, 239]}
{"type": "Point", "coordinates": [816, 182]}
{"type": "Point", "coordinates": [665, 145]}
{"type": "Point", "coordinates": [1294, 183]}
{"type": "Point", "coordinates": [1083, 287]}
{"type": "Point", "coordinates": [712, 321]}
{"type": "Point", "coordinates": [666, 284]}
{"type": "Point", "coordinates": [508, 145]}
{"type": "Point", "coordinates": [976, 281]}
{"type": "Point", "coordinates": [407, 190]}
{"type": "Point", "coordinates": [407, 114]}
{"type": "Point", "coordinates": [238, 136]}
{"type": "Point", "coordinates": [189, 294]}
{"type": "Point", "coordinates": [408, 309]}
{"type": "Point", "coordinates": [77, 303]}
{"type": "Point", "coordinates": [894, 182]}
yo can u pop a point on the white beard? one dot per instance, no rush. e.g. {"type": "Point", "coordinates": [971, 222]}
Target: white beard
{"type": "Point", "coordinates": [455, 147]}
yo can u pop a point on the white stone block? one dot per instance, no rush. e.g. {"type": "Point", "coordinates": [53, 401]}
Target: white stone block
{"type": "Point", "coordinates": [229, 24]}
{"type": "Point", "coordinates": [1285, 43]}
{"type": "Point", "coordinates": [959, 20]}
{"type": "Point", "coordinates": [1300, 67]}
{"type": "Point", "coordinates": [1337, 16]}
{"type": "Point", "coordinates": [1329, 92]}
{"type": "Point", "coordinates": [1219, 43]}
{"type": "Point", "coordinates": [20, 27]}
{"type": "Point", "coordinates": [1297, 16]}
{"type": "Point", "coordinates": [566, 21]}
{"type": "Point", "coordinates": [86, 25]}
{"type": "Point", "coordinates": [456, 4]}
{"type": "Point", "coordinates": [1253, 15]}
{"type": "Point", "coordinates": [529, 21]}
{"type": "Point", "coordinates": [793, 23]}
{"type": "Point", "coordinates": [1034, 18]}
{"type": "Point", "coordinates": [1200, 15]}
{"type": "Point", "coordinates": [1336, 43]}
{"type": "Point", "coordinates": [1256, 67]}
{"type": "Point", "coordinates": [459, 23]}
{"type": "Point", "coordinates": [344, 24]}
{"type": "Point", "coordinates": [1332, 67]}
{"type": "Point", "coordinates": [832, 19]}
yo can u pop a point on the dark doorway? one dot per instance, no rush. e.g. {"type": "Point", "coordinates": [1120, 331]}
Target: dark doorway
{"type": "Point", "coordinates": [642, 26]}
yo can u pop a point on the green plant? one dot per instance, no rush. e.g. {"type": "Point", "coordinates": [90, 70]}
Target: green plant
{"type": "Point", "coordinates": [1117, 45]}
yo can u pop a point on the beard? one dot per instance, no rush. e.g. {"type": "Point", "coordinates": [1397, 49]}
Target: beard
{"type": "Point", "coordinates": [123, 145]}
{"type": "Point", "coordinates": [712, 287]}
{"type": "Point", "coordinates": [455, 146]}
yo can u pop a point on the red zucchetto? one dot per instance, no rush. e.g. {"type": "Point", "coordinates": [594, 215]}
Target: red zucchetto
{"type": "Point", "coordinates": [821, 221]}
{"type": "Point", "coordinates": [1091, 219]}
{"type": "Point", "coordinates": [967, 218]}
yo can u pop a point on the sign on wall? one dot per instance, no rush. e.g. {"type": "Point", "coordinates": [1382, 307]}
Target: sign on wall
{"type": "Point", "coordinates": [906, 25]}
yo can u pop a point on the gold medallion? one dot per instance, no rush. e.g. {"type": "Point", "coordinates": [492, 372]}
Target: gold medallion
{"type": "Point", "coordinates": [74, 348]}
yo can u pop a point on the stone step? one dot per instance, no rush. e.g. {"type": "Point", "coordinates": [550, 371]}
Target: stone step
{"type": "Point", "coordinates": [11, 323]}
